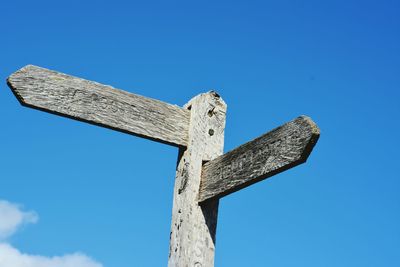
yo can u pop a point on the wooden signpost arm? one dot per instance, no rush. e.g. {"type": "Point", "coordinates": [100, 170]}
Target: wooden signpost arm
{"type": "Point", "coordinates": [99, 104]}
{"type": "Point", "coordinates": [276, 151]}
{"type": "Point", "coordinates": [192, 237]}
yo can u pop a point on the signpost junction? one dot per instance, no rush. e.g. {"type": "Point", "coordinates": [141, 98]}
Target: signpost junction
{"type": "Point", "coordinates": [203, 175]}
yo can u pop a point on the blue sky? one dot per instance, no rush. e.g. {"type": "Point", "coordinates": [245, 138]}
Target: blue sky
{"type": "Point", "coordinates": [77, 188]}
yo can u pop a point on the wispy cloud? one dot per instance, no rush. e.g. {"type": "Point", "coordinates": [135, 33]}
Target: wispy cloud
{"type": "Point", "coordinates": [13, 217]}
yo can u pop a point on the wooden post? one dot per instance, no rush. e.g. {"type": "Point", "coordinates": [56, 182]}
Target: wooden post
{"type": "Point", "coordinates": [193, 228]}
{"type": "Point", "coordinates": [203, 174]}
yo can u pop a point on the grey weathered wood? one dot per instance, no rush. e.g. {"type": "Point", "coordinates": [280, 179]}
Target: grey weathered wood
{"type": "Point", "coordinates": [269, 154]}
{"type": "Point", "coordinates": [198, 131]}
{"type": "Point", "coordinates": [99, 104]}
{"type": "Point", "coordinates": [192, 237]}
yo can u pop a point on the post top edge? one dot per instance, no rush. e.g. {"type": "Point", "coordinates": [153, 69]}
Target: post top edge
{"type": "Point", "coordinates": [215, 96]}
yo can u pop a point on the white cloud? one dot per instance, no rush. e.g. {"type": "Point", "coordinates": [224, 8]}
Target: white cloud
{"type": "Point", "coordinates": [11, 218]}
{"type": "Point", "coordinates": [11, 257]}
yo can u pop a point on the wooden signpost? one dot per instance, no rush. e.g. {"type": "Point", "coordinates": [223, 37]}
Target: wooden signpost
{"type": "Point", "coordinates": [203, 174]}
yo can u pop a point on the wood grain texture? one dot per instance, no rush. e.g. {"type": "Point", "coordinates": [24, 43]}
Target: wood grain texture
{"type": "Point", "coordinates": [282, 148]}
{"type": "Point", "coordinates": [193, 228]}
{"type": "Point", "coordinates": [99, 104]}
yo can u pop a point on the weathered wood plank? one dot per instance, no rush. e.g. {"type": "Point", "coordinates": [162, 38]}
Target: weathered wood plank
{"type": "Point", "coordinates": [192, 237]}
{"type": "Point", "coordinates": [276, 151]}
{"type": "Point", "coordinates": [99, 104]}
